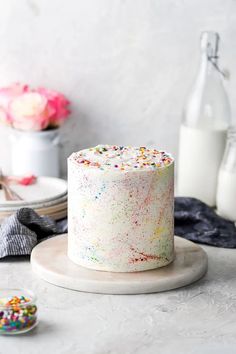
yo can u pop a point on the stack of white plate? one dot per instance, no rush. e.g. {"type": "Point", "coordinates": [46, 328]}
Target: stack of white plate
{"type": "Point", "coordinates": [47, 196]}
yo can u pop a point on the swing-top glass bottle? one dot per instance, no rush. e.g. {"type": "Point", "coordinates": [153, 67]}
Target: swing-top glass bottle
{"type": "Point", "coordinates": [204, 127]}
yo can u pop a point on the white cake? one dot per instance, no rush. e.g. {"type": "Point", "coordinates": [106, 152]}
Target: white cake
{"type": "Point", "coordinates": [120, 208]}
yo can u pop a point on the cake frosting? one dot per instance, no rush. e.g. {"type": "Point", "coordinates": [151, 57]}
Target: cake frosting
{"type": "Point", "coordinates": [120, 208]}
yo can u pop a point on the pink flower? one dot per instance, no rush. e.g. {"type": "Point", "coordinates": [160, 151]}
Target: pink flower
{"type": "Point", "coordinates": [6, 95]}
{"type": "Point", "coordinates": [30, 111]}
{"type": "Point", "coordinates": [58, 105]}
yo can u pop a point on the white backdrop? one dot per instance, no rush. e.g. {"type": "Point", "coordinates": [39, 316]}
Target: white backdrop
{"type": "Point", "coordinates": [126, 65]}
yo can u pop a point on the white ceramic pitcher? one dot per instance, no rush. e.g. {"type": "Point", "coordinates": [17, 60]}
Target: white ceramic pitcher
{"type": "Point", "coordinates": [35, 153]}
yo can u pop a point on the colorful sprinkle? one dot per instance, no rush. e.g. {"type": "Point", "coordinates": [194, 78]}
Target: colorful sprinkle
{"type": "Point", "coordinates": [123, 158]}
{"type": "Point", "coordinates": [16, 314]}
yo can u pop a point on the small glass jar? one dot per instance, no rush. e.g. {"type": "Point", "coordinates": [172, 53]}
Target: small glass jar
{"type": "Point", "coordinates": [226, 189]}
{"type": "Point", "coordinates": [18, 311]}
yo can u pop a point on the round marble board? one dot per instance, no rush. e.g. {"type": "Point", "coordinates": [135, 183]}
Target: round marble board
{"type": "Point", "coordinates": [49, 260]}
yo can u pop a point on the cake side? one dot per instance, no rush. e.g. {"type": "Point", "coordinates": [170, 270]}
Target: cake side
{"type": "Point", "coordinates": [120, 220]}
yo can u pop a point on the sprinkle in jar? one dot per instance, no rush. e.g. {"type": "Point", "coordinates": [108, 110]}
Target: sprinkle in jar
{"type": "Point", "coordinates": [18, 311]}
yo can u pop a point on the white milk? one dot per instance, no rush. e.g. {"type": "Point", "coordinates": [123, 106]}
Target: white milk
{"type": "Point", "coordinates": [226, 194]}
{"type": "Point", "coordinates": [200, 155]}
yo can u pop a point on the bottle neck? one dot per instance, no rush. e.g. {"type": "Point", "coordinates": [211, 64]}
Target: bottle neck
{"type": "Point", "coordinates": [208, 65]}
{"type": "Point", "coordinates": [207, 106]}
{"type": "Point", "coordinates": [209, 52]}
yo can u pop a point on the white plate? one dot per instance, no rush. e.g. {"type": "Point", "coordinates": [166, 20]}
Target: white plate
{"type": "Point", "coordinates": [45, 189]}
{"type": "Point", "coordinates": [49, 203]}
{"type": "Point", "coordinates": [55, 216]}
{"type": "Point", "coordinates": [47, 210]}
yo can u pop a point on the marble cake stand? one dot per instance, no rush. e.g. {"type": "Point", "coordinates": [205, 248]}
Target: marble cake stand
{"type": "Point", "coordinates": [49, 260]}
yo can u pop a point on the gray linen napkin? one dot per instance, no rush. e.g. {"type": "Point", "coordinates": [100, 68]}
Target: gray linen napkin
{"type": "Point", "coordinates": [20, 233]}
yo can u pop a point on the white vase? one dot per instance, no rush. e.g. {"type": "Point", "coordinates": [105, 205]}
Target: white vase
{"type": "Point", "coordinates": [35, 153]}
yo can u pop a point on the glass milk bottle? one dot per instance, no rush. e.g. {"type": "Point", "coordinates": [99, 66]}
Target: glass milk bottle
{"type": "Point", "coordinates": [204, 127]}
{"type": "Point", "coordinates": [226, 189]}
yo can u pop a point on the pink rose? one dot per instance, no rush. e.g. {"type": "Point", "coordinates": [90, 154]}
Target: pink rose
{"type": "Point", "coordinates": [30, 111]}
{"type": "Point", "coordinates": [6, 95]}
{"type": "Point", "coordinates": [58, 104]}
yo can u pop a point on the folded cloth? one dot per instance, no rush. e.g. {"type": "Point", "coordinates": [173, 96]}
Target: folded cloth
{"type": "Point", "coordinates": [196, 221]}
{"type": "Point", "coordinates": [23, 230]}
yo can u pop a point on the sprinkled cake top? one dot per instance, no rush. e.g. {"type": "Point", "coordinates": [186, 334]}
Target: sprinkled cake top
{"type": "Point", "coordinates": [124, 158]}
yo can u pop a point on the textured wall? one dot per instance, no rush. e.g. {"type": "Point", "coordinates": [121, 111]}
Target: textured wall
{"type": "Point", "coordinates": [125, 64]}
